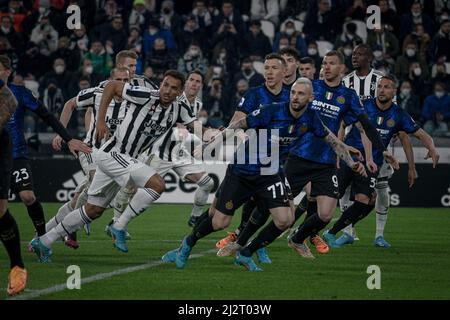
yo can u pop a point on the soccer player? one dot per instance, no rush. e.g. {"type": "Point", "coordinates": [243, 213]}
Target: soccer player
{"type": "Point", "coordinates": [292, 58]}
{"type": "Point", "coordinates": [89, 98]}
{"type": "Point", "coordinates": [151, 114]}
{"type": "Point", "coordinates": [22, 180]}
{"type": "Point", "coordinates": [271, 91]}
{"type": "Point", "coordinates": [389, 120]}
{"type": "Point", "coordinates": [283, 123]}
{"type": "Point", "coordinates": [307, 68]}
{"type": "Point", "coordinates": [364, 80]}
{"type": "Point", "coordinates": [314, 161]}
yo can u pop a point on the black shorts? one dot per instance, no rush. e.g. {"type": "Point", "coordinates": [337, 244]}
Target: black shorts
{"type": "Point", "coordinates": [267, 191]}
{"type": "Point", "coordinates": [6, 163]}
{"type": "Point", "coordinates": [359, 184]}
{"type": "Point", "coordinates": [21, 177]}
{"type": "Point", "coordinates": [299, 172]}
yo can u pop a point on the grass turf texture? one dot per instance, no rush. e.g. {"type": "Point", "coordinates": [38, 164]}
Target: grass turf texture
{"type": "Point", "coordinates": [416, 267]}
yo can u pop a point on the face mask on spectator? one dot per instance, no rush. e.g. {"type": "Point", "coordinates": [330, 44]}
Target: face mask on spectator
{"type": "Point", "coordinates": [217, 70]}
{"type": "Point", "coordinates": [405, 92]}
{"type": "Point", "coordinates": [377, 54]}
{"type": "Point", "coordinates": [203, 120]}
{"type": "Point", "coordinates": [282, 46]}
{"type": "Point", "coordinates": [348, 51]}
{"type": "Point", "coordinates": [410, 52]}
{"type": "Point", "coordinates": [222, 55]}
{"type": "Point", "coordinates": [417, 72]}
{"type": "Point", "coordinates": [59, 69]}
{"type": "Point", "coordinates": [89, 69]}
{"type": "Point", "coordinates": [444, 17]}
{"type": "Point", "coordinates": [247, 71]}
{"type": "Point", "coordinates": [6, 30]}
{"type": "Point", "coordinates": [312, 51]}
{"type": "Point", "coordinates": [194, 52]}
{"type": "Point", "coordinates": [439, 94]}
{"type": "Point", "coordinates": [416, 14]}
{"type": "Point", "coordinates": [152, 31]}
{"type": "Point", "coordinates": [290, 31]}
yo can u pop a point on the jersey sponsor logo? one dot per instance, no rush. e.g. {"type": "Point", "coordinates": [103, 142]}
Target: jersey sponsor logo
{"type": "Point", "coordinates": [341, 99]}
{"type": "Point", "coordinates": [390, 123]}
{"type": "Point", "coordinates": [153, 125]}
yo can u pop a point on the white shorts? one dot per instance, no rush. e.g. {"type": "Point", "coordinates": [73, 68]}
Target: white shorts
{"type": "Point", "coordinates": [87, 161]}
{"type": "Point", "coordinates": [116, 170]}
{"type": "Point", "coordinates": [386, 171]}
{"type": "Point", "coordinates": [182, 166]}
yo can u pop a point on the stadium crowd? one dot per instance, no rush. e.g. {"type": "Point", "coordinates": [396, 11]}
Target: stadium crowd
{"type": "Point", "coordinates": [227, 41]}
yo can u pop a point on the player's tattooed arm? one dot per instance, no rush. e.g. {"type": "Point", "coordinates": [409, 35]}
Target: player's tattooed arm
{"type": "Point", "coordinates": [343, 152]}
{"type": "Point", "coordinates": [367, 148]}
{"type": "Point", "coordinates": [8, 105]}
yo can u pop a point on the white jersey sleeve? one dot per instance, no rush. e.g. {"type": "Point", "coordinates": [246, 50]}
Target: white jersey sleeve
{"type": "Point", "coordinates": [138, 95]}
{"type": "Point", "coordinates": [186, 114]}
{"type": "Point", "coordinates": [85, 98]}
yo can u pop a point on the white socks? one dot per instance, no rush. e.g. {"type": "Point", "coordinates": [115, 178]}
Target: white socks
{"type": "Point", "coordinates": [62, 212]}
{"type": "Point", "coordinates": [382, 207]}
{"type": "Point", "coordinates": [121, 201]}
{"type": "Point", "coordinates": [74, 221]}
{"type": "Point", "coordinates": [143, 198]}
{"type": "Point", "coordinates": [205, 185]}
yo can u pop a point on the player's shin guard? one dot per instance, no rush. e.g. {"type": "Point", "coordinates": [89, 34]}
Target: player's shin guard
{"type": "Point", "coordinates": [205, 185]}
{"type": "Point", "coordinates": [143, 198]}
{"type": "Point", "coordinates": [60, 215]}
{"type": "Point", "coordinates": [311, 209]}
{"type": "Point", "coordinates": [9, 235]}
{"type": "Point", "coordinates": [267, 235]}
{"type": "Point", "coordinates": [247, 211]}
{"type": "Point", "coordinates": [201, 230]}
{"type": "Point", "coordinates": [301, 208]}
{"type": "Point", "coordinates": [353, 214]}
{"type": "Point", "coordinates": [382, 206]}
{"type": "Point", "coordinates": [36, 213]}
{"type": "Point", "coordinates": [312, 225]}
{"type": "Point", "coordinates": [256, 221]}
{"type": "Point", "coordinates": [82, 198]}
{"type": "Point", "coordinates": [74, 221]}
{"type": "Point", "coordinates": [121, 201]}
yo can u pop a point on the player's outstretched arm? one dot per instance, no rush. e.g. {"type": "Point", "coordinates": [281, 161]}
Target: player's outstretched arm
{"type": "Point", "coordinates": [8, 104]}
{"type": "Point", "coordinates": [64, 118]}
{"type": "Point", "coordinates": [367, 148]}
{"type": "Point", "coordinates": [112, 88]}
{"type": "Point", "coordinates": [429, 144]}
{"type": "Point", "coordinates": [409, 153]}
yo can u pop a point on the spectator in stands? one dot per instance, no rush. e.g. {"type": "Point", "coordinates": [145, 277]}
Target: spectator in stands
{"type": "Point", "coordinates": [408, 100]}
{"type": "Point", "coordinates": [226, 54]}
{"type": "Point", "coordinates": [420, 38]}
{"type": "Point", "coordinates": [193, 59]}
{"type": "Point", "coordinates": [321, 23]}
{"type": "Point", "coordinates": [347, 51]}
{"type": "Point", "coordinates": [170, 20]}
{"type": "Point", "coordinates": [248, 73]}
{"type": "Point", "coordinates": [148, 72]}
{"type": "Point", "coordinates": [241, 89]}
{"type": "Point", "coordinates": [440, 74]}
{"type": "Point", "coordinates": [313, 53]}
{"type": "Point", "coordinates": [349, 36]}
{"type": "Point", "coordinates": [72, 57]}
{"type": "Point", "coordinates": [138, 15]}
{"type": "Point", "coordinates": [156, 32]}
{"type": "Point", "coordinates": [419, 85]}
{"type": "Point", "coordinates": [60, 76]}
{"type": "Point", "coordinates": [307, 68]}
{"type": "Point", "coordinates": [58, 17]}
{"type": "Point", "coordinates": [114, 32]}
{"type": "Point", "coordinates": [228, 20]}
{"type": "Point", "coordinates": [389, 16]}
{"type": "Point", "coordinates": [216, 102]}
{"type": "Point", "coordinates": [53, 99]}
{"type": "Point", "coordinates": [192, 33]}
{"type": "Point", "coordinates": [80, 40]}
{"type": "Point", "coordinates": [294, 36]}
{"type": "Point", "coordinates": [256, 44]}
{"type": "Point", "coordinates": [265, 10]}
{"type": "Point", "coordinates": [17, 11]}
{"type": "Point", "coordinates": [134, 41]}
{"type": "Point", "coordinates": [414, 17]}
{"type": "Point", "coordinates": [440, 46]}
{"type": "Point", "coordinates": [160, 59]}
{"type": "Point", "coordinates": [106, 13]}
{"type": "Point", "coordinates": [45, 36]}
{"type": "Point", "coordinates": [85, 71]}
{"type": "Point", "coordinates": [34, 62]}
{"type": "Point", "coordinates": [410, 55]}
{"type": "Point", "coordinates": [436, 111]}
{"type": "Point", "coordinates": [202, 15]}
{"type": "Point", "coordinates": [215, 71]}
{"type": "Point", "coordinates": [385, 40]}
{"type": "Point", "coordinates": [6, 49]}
{"type": "Point", "coordinates": [357, 11]}
{"type": "Point", "coordinates": [203, 117]}
{"type": "Point", "coordinates": [101, 60]}
{"type": "Point", "coordinates": [7, 31]}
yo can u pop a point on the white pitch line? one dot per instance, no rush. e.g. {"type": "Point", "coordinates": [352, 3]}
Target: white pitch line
{"type": "Point", "coordinates": [101, 276]}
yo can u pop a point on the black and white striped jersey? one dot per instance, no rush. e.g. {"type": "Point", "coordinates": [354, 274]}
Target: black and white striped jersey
{"type": "Point", "coordinates": [169, 148]}
{"type": "Point", "coordinates": [146, 121]}
{"type": "Point", "coordinates": [143, 81]}
{"type": "Point", "coordinates": [365, 87]}
{"type": "Point", "coordinates": [114, 114]}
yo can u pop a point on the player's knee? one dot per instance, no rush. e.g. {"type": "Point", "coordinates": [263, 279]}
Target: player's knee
{"type": "Point", "coordinates": [220, 221]}
{"type": "Point", "coordinates": [93, 211]}
{"type": "Point", "coordinates": [156, 183]}
{"type": "Point", "coordinates": [284, 222]}
{"type": "Point", "coordinates": [362, 198]}
{"type": "Point", "coordinates": [3, 207]}
{"type": "Point", "coordinates": [27, 197]}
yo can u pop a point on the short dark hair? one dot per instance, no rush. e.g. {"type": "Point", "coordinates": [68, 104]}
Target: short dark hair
{"type": "Point", "coordinates": [195, 71]}
{"type": "Point", "coordinates": [335, 53]}
{"type": "Point", "coordinates": [84, 78]}
{"type": "Point", "coordinates": [5, 61]}
{"type": "Point", "coordinates": [289, 51]}
{"type": "Point", "coordinates": [307, 60]}
{"type": "Point", "coordinates": [367, 47]}
{"type": "Point", "coordinates": [275, 56]}
{"type": "Point", "coordinates": [175, 74]}
{"type": "Point", "coordinates": [391, 78]}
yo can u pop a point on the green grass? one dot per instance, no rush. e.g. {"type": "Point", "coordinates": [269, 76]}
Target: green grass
{"type": "Point", "coordinates": [416, 267]}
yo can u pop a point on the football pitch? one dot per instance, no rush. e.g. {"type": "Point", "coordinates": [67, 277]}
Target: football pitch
{"type": "Point", "coordinates": [417, 266]}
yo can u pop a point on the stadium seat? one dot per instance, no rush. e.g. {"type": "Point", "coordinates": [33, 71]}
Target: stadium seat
{"type": "Point", "coordinates": [259, 66]}
{"type": "Point", "coordinates": [268, 28]}
{"type": "Point", "coordinates": [324, 47]}
{"type": "Point", "coordinates": [361, 29]}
